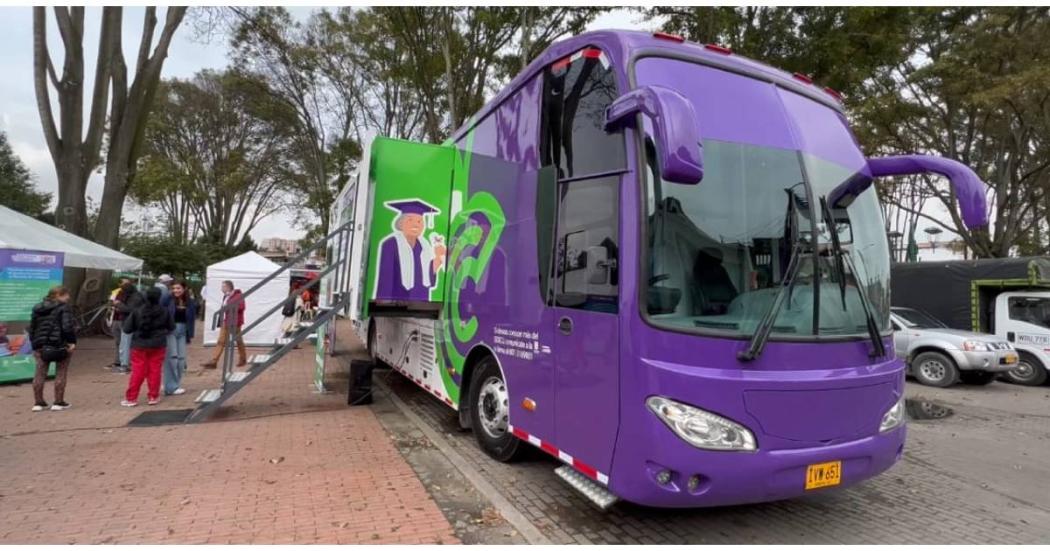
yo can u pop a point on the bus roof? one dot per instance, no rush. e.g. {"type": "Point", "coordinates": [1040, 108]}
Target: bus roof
{"type": "Point", "coordinates": [622, 46]}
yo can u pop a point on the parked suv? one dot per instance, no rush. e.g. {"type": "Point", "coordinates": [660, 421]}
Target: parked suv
{"type": "Point", "coordinates": [939, 356]}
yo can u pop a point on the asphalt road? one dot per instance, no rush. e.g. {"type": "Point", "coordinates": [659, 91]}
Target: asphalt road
{"type": "Point", "coordinates": [975, 471]}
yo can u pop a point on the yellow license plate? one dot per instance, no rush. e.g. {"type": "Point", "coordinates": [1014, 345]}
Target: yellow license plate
{"type": "Point", "coordinates": [822, 475]}
{"type": "Point", "coordinates": [1010, 359]}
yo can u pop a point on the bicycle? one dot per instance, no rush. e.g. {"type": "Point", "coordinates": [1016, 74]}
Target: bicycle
{"type": "Point", "coordinates": [96, 321]}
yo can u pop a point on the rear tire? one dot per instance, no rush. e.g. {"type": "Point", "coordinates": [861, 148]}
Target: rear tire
{"type": "Point", "coordinates": [979, 378]}
{"type": "Point", "coordinates": [490, 413]}
{"type": "Point", "coordinates": [1029, 372]}
{"type": "Point", "coordinates": [935, 369]}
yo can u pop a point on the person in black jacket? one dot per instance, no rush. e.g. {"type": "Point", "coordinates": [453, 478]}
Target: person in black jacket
{"type": "Point", "coordinates": [52, 327]}
{"type": "Point", "coordinates": [148, 327]}
{"type": "Point", "coordinates": [127, 301]}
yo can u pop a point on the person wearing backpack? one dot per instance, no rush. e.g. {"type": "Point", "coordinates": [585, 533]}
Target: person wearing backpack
{"type": "Point", "coordinates": [52, 333]}
{"type": "Point", "coordinates": [149, 327]}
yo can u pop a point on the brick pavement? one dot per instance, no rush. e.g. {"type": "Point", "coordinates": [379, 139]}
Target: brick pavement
{"type": "Point", "coordinates": [918, 501]}
{"type": "Point", "coordinates": [280, 465]}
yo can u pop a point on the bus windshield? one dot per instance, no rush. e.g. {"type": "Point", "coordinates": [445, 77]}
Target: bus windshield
{"type": "Point", "coordinates": [719, 251]}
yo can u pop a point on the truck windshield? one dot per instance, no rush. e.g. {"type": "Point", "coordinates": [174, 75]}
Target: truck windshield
{"type": "Point", "coordinates": [915, 319]}
{"type": "Point", "coordinates": [718, 251]}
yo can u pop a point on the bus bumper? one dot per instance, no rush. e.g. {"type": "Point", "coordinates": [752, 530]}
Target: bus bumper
{"type": "Point", "coordinates": [799, 419]}
{"type": "Point", "coordinates": [731, 478]}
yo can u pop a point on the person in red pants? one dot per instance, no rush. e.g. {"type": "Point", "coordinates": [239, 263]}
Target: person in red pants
{"type": "Point", "coordinates": [149, 327]}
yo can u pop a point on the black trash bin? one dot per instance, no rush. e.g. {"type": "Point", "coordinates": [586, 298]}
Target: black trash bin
{"type": "Point", "coordinates": [360, 383]}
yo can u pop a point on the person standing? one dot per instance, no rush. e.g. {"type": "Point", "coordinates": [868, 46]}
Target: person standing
{"type": "Point", "coordinates": [128, 300]}
{"type": "Point", "coordinates": [117, 318]}
{"type": "Point", "coordinates": [164, 283]}
{"type": "Point", "coordinates": [149, 327]}
{"type": "Point", "coordinates": [230, 324]}
{"type": "Point", "coordinates": [183, 311]}
{"type": "Point", "coordinates": [52, 333]}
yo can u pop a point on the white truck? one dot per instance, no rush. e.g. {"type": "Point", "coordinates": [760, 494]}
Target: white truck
{"type": "Point", "coordinates": [1007, 297]}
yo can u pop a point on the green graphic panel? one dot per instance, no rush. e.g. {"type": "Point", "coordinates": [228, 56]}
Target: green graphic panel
{"type": "Point", "coordinates": [408, 178]}
{"type": "Point", "coordinates": [19, 369]}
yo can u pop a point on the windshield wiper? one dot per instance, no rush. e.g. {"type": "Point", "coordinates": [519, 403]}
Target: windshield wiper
{"type": "Point", "coordinates": [758, 340]}
{"type": "Point", "coordinates": [836, 247]}
{"type": "Point", "coordinates": [787, 285]}
{"type": "Point", "coordinates": [841, 259]}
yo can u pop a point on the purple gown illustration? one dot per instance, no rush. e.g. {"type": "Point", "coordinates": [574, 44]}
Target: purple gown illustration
{"type": "Point", "coordinates": [408, 261]}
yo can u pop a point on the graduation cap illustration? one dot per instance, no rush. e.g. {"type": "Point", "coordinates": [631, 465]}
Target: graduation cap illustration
{"type": "Point", "coordinates": [414, 206]}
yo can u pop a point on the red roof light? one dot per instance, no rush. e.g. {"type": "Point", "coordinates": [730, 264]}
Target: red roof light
{"type": "Point", "coordinates": [668, 36]}
{"type": "Point", "coordinates": [833, 93]}
{"type": "Point", "coordinates": [804, 78]}
{"type": "Point", "coordinates": [719, 49]}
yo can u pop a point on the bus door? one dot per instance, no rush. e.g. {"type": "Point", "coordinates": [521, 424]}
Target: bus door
{"type": "Point", "coordinates": [589, 163]}
{"type": "Point", "coordinates": [586, 339]}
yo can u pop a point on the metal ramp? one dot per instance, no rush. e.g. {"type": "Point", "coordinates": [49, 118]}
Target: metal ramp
{"type": "Point", "coordinates": [232, 381]}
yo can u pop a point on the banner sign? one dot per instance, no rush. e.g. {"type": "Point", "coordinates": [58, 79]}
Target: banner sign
{"type": "Point", "coordinates": [25, 277]}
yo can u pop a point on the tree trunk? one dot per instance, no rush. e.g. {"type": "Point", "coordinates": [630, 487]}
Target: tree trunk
{"type": "Point", "coordinates": [131, 107]}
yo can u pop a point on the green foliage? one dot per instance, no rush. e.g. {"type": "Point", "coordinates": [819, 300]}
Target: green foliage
{"type": "Point", "coordinates": [163, 254]}
{"type": "Point", "coordinates": [215, 156]}
{"type": "Point", "coordinates": [17, 190]}
{"type": "Point", "coordinates": [839, 47]}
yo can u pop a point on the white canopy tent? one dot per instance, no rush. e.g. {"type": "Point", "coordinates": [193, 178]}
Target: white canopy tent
{"type": "Point", "coordinates": [18, 231]}
{"type": "Point", "coordinates": [245, 271]}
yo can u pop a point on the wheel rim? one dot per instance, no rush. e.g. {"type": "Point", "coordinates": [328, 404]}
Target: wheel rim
{"type": "Point", "coordinates": [933, 370]}
{"type": "Point", "coordinates": [493, 407]}
{"type": "Point", "coordinates": [1024, 371]}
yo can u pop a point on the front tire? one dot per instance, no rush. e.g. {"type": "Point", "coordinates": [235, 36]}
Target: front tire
{"type": "Point", "coordinates": [979, 378]}
{"type": "Point", "coordinates": [935, 369]}
{"type": "Point", "coordinates": [490, 413]}
{"type": "Point", "coordinates": [1029, 372]}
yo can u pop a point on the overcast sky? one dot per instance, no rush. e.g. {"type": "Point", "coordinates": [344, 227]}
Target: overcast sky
{"type": "Point", "coordinates": [189, 53]}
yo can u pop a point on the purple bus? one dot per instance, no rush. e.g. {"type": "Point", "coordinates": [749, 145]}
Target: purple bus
{"type": "Point", "coordinates": [660, 262]}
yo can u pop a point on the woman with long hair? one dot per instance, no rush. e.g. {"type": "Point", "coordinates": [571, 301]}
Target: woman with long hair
{"type": "Point", "coordinates": [149, 327]}
{"type": "Point", "coordinates": [53, 336]}
{"type": "Point", "coordinates": [183, 311]}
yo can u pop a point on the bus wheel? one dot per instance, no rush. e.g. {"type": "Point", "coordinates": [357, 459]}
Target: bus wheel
{"type": "Point", "coordinates": [1029, 371]}
{"type": "Point", "coordinates": [935, 369]}
{"type": "Point", "coordinates": [490, 412]}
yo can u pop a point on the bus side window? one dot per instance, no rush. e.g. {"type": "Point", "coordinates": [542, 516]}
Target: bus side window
{"type": "Point", "coordinates": [586, 269]}
{"type": "Point", "coordinates": [580, 155]}
{"type": "Point", "coordinates": [574, 139]}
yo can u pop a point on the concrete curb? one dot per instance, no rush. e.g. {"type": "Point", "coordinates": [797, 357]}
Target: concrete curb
{"type": "Point", "coordinates": [513, 516]}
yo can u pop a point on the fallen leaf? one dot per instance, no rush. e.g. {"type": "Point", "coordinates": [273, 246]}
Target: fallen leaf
{"type": "Point", "coordinates": [277, 460]}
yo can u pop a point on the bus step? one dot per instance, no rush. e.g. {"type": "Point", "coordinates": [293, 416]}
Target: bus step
{"type": "Point", "coordinates": [209, 395]}
{"type": "Point", "coordinates": [237, 376]}
{"type": "Point", "coordinates": [590, 489]}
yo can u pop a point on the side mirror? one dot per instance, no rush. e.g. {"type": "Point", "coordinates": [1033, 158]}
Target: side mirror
{"type": "Point", "coordinates": [969, 189]}
{"type": "Point", "coordinates": [674, 123]}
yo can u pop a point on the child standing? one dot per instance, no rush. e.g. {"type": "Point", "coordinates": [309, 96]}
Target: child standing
{"type": "Point", "coordinates": [149, 327]}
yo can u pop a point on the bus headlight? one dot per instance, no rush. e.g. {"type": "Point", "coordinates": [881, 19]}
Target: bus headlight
{"type": "Point", "coordinates": [700, 428]}
{"type": "Point", "coordinates": [894, 417]}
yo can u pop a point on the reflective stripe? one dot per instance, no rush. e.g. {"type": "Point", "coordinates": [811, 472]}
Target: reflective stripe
{"type": "Point", "coordinates": [561, 455]}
